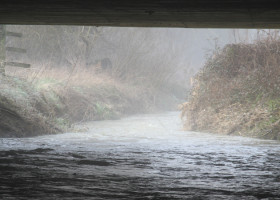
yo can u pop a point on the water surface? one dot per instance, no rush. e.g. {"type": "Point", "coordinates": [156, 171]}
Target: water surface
{"type": "Point", "coordinates": [140, 157]}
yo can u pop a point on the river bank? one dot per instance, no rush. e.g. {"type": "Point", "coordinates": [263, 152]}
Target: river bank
{"type": "Point", "coordinates": [52, 105]}
{"type": "Point", "coordinates": [238, 91]}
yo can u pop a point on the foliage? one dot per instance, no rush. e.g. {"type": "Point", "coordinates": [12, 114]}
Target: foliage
{"type": "Point", "coordinates": [245, 74]}
{"type": "Point", "coordinates": [138, 56]}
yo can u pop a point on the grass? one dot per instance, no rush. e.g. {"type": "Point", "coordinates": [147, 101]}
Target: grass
{"type": "Point", "coordinates": [22, 110]}
{"type": "Point", "coordinates": [240, 81]}
{"type": "Point", "coordinates": [105, 111]}
{"type": "Point", "coordinates": [273, 105]}
{"type": "Point", "coordinates": [52, 100]}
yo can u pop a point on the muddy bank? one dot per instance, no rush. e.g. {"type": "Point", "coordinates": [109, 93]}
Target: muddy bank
{"type": "Point", "coordinates": [238, 91]}
{"type": "Point", "coordinates": [50, 106]}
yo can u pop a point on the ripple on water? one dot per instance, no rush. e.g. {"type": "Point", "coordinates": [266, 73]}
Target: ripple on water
{"type": "Point", "coordinates": [141, 157]}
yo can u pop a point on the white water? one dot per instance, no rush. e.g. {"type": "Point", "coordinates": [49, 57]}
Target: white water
{"type": "Point", "coordinates": [140, 157]}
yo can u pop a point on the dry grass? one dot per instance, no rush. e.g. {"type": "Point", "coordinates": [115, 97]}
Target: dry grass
{"type": "Point", "coordinates": [23, 110]}
{"type": "Point", "coordinates": [238, 74]}
{"type": "Point", "coordinates": [77, 76]}
{"type": "Point", "coordinates": [60, 97]}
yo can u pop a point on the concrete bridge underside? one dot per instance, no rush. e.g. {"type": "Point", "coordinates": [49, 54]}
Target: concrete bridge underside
{"type": "Point", "coordinates": [144, 13]}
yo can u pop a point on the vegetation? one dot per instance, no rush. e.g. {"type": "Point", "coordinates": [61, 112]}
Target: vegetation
{"type": "Point", "coordinates": [68, 83]}
{"type": "Point", "coordinates": [54, 100]}
{"type": "Point", "coordinates": [135, 54]}
{"type": "Point", "coordinates": [238, 90]}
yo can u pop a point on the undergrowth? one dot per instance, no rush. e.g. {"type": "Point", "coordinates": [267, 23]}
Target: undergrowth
{"type": "Point", "coordinates": [244, 78]}
{"type": "Point", "coordinates": [55, 100]}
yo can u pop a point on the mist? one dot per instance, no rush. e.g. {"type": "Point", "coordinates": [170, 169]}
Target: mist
{"type": "Point", "coordinates": [139, 113]}
{"type": "Point", "coordinates": [183, 50]}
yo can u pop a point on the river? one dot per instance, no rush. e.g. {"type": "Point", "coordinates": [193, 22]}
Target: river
{"type": "Point", "coordinates": [139, 157]}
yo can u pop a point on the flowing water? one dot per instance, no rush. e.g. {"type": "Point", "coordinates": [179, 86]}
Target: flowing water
{"type": "Point", "coordinates": [140, 157]}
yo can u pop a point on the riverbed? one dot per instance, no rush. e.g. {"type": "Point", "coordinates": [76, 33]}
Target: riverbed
{"type": "Point", "coordinates": [139, 157]}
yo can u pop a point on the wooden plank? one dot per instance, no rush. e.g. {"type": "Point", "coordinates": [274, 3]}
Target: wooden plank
{"type": "Point", "coordinates": [152, 13]}
{"type": "Point", "coordinates": [13, 34]}
{"type": "Point", "coordinates": [14, 49]}
{"type": "Point", "coordinates": [16, 64]}
{"type": "Point", "coordinates": [2, 49]}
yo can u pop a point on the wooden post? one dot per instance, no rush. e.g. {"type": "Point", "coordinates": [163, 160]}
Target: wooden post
{"type": "Point", "coordinates": [2, 49]}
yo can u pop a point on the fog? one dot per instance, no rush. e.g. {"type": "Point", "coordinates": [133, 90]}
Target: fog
{"type": "Point", "coordinates": [96, 115]}
{"type": "Point", "coordinates": [183, 50]}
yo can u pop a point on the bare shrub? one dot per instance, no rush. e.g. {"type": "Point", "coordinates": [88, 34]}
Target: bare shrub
{"type": "Point", "coordinates": [243, 77]}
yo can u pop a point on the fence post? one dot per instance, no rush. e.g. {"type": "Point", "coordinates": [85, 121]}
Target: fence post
{"type": "Point", "coordinates": [2, 49]}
